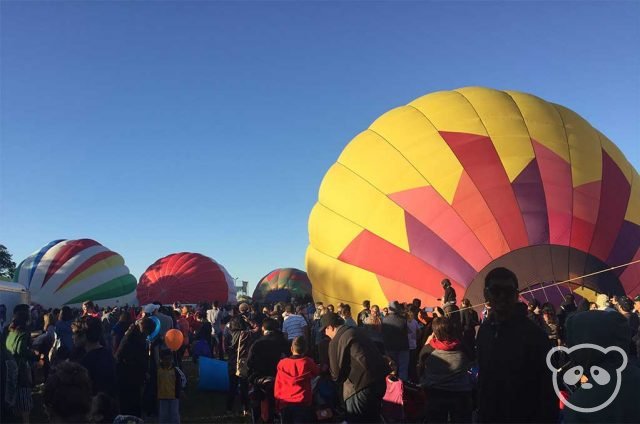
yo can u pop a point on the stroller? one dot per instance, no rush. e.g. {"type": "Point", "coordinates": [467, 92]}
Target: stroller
{"type": "Point", "coordinates": [402, 402]}
{"type": "Point", "coordinates": [262, 401]}
{"type": "Point", "coordinates": [325, 399]}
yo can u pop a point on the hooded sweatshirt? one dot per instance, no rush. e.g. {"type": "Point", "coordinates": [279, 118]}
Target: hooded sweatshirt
{"type": "Point", "coordinates": [293, 381]}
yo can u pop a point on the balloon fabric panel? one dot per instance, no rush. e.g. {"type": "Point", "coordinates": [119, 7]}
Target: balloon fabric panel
{"type": "Point", "coordinates": [89, 267]}
{"type": "Point", "coordinates": [481, 162]}
{"type": "Point", "coordinates": [70, 249]}
{"type": "Point", "coordinates": [613, 205]}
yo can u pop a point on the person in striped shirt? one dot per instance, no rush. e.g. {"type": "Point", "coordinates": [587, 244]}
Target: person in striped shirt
{"type": "Point", "coordinates": [294, 325]}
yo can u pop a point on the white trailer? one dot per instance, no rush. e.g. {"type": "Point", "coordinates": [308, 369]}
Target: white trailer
{"type": "Point", "coordinates": [12, 294]}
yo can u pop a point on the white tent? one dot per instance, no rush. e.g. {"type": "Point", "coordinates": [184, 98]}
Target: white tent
{"type": "Point", "coordinates": [12, 294]}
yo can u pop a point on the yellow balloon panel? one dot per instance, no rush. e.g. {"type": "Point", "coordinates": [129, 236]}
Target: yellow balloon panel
{"type": "Point", "coordinates": [411, 133]}
{"type": "Point", "coordinates": [633, 208]}
{"type": "Point", "coordinates": [364, 154]}
{"type": "Point", "coordinates": [503, 122]}
{"type": "Point", "coordinates": [349, 195]}
{"type": "Point", "coordinates": [329, 232]}
{"type": "Point", "coordinates": [543, 122]}
{"type": "Point", "coordinates": [586, 293]}
{"type": "Point", "coordinates": [450, 111]}
{"type": "Point", "coordinates": [584, 148]}
{"type": "Point", "coordinates": [335, 281]}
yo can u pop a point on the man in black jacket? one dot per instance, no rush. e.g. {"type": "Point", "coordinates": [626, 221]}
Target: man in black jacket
{"type": "Point", "coordinates": [262, 364]}
{"type": "Point", "coordinates": [241, 335]}
{"type": "Point", "coordinates": [514, 383]}
{"type": "Point", "coordinates": [396, 340]}
{"type": "Point", "coordinates": [132, 363]}
{"type": "Point", "coordinates": [357, 364]}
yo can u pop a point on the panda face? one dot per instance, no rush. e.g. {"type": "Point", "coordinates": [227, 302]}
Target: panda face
{"type": "Point", "coordinates": [599, 378]}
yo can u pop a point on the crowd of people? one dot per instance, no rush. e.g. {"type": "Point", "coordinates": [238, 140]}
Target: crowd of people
{"type": "Point", "coordinates": [305, 362]}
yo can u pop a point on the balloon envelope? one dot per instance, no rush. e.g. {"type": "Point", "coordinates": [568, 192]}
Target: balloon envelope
{"type": "Point", "coordinates": [282, 284]}
{"type": "Point", "coordinates": [68, 272]}
{"type": "Point", "coordinates": [459, 182]}
{"type": "Point", "coordinates": [186, 278]}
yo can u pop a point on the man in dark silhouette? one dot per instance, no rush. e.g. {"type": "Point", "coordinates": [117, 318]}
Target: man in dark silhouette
{"type": "Point", "coordinates": [514, 383]}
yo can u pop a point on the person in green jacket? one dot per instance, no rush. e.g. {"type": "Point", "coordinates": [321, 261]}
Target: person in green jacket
{"type": "Point", "coordinates": [18, 343]}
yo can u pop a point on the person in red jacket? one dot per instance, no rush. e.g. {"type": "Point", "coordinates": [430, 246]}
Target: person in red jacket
{"type": "Point", "coordinates": [292, 391]}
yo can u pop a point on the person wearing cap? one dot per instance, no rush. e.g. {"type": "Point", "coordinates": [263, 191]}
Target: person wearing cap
{"type": "Point", "coordinates": [514, 383]}
{"type": "Point", "coordinates": [395, 335]}
{"type": "Point", "coordinates": [356, 363]}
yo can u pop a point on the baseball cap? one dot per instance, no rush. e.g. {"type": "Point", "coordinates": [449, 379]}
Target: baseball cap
{"type": "Point", "coordinates": [330, 319]}
{"type": "Point", "coordinates": [637, 298]}
{"type": "Point", "coordinates": [150, 308]}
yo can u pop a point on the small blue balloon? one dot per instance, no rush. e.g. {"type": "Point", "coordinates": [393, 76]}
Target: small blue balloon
{"type": "Point", "coordinates": [155, 333]}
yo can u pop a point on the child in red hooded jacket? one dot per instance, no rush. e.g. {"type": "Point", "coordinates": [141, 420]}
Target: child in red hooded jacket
{"type": "Point", "coordinates": [292, 390]}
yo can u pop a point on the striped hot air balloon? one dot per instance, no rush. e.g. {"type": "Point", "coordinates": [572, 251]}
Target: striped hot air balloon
{"type": "Point", "coordinates": [186, 278]}
{"type": "Point", "coordinates": [69, 272]}
{"type": "Point", "coordinates": [458, 182]}
{"type": "Point", "coordinates": [281, 285]}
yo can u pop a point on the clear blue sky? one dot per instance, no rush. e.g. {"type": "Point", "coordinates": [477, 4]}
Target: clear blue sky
{"type": "Point", "coordinates": [160, 127]}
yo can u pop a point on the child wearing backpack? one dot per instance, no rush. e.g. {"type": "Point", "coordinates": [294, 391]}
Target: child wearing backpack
{"type": "Point", "coordinates": [171, 382]}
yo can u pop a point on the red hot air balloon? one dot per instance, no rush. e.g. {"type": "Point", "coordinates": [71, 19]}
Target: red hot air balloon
{"type": "Point", "coordinates": [186, 278]}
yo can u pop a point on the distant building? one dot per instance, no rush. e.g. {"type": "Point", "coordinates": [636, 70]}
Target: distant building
{"type": "Point", "coordinates": [242, 288]}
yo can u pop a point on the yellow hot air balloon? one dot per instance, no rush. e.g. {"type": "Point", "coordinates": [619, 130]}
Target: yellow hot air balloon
{"type": "Point", "coordinates": [458, 182]}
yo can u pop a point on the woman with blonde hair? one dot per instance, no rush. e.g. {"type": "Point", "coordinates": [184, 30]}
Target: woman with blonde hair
{"type": "Point", "coordinates": [373, 326]}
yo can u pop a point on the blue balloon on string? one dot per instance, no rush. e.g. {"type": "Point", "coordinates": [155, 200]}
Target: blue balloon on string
{"type": "Point", "coordinates": [155, 332]}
